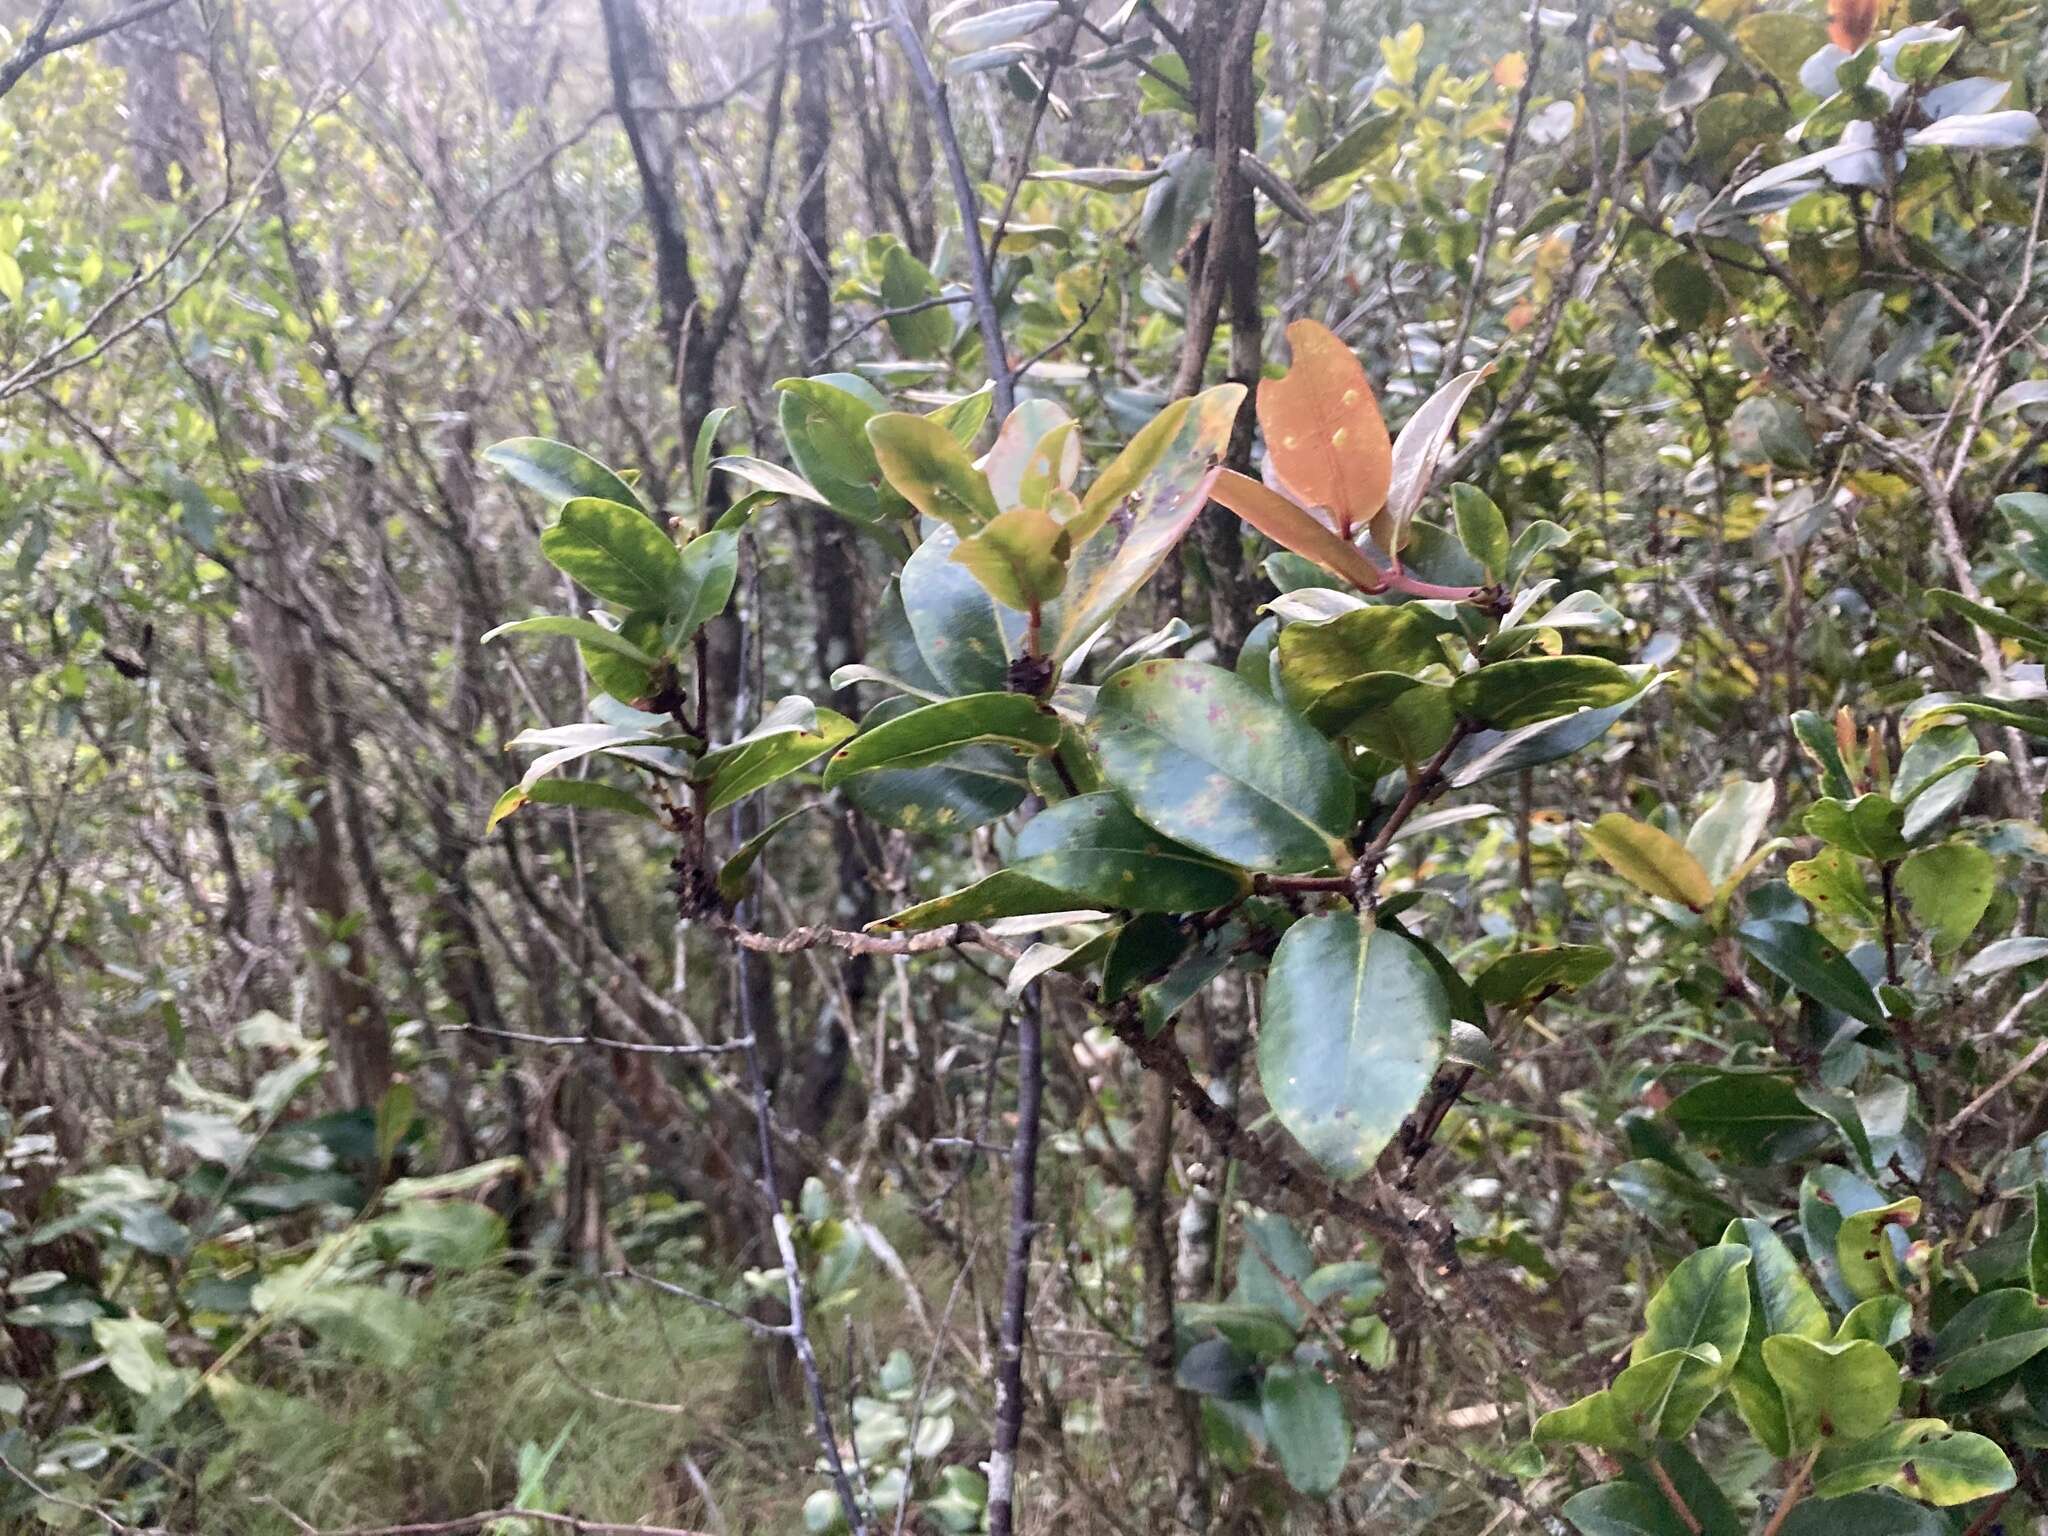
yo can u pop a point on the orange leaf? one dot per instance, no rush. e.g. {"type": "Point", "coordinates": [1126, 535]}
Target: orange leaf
{"type": "Point", "coordinates": [1323, 428]}
{"type": "Point", "coordinates": [1850, 23]}
{"type": "Point", "coordinates": [1512, 72]}
{"type": "Point", "coordinates": [1292, 528]}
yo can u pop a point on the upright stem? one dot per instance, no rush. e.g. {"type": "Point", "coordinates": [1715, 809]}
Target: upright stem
{"type": "Point", "coordinates": [793, 1289]}
{"type": "Point", "coordinates": [1002, 1461]}
{"type": "Point", "coordinates": [964, 194]}
{"type": "Point", "coordinates": [1794, 1492]}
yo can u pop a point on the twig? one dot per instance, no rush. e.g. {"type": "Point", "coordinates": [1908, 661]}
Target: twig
{"type": "Point", "coordinates": [2018, 1069]}
{"type": "Point", "coordinates": [1794, 1491]}
{"type": "Point", "coordinates": [970, 209]}
{"type": "Point", "coordinates": [487, 1517]}
{"type": "Point", "coordinates": [720, 1048]}
{"type": "Point", "coordinates": [39, 45]}
{"type": "Point", "coordinates": [1002, 1461]}
{"type": "Point", "coordinates": [753, 1325]}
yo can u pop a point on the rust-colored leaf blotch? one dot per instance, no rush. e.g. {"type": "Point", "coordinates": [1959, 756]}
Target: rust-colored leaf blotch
{"type": "Point", "coordinates": [1324, 430]}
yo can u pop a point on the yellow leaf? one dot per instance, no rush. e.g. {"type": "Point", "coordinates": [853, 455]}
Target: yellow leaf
{"type": "Point", "coordinates": [1651, 860]}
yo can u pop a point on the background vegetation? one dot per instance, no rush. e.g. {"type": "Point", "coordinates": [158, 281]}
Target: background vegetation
{"type": "Point", "coordinates": [1499, 989]}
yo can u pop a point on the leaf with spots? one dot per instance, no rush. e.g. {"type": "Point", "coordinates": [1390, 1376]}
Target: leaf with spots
{"type": "Point", "coordinates": [1833, 1393]}
{"type": "Point", "coordinates": [1921, 1458]}
{"type": "Point", "coordinates": [1120, 541]}
{"type": "Point", "coordinates": [1325, 437]}
{"type": "Point", "coordinates": [1354, 1026]}
{"type": "Point", "coordinates": [965, 637]}
{"type": "Point", "coordinates": [1204, 757]}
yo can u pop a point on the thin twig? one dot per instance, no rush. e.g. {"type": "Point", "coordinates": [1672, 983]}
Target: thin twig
{"type": "Point", "coordinates": [983, 286]}
{"type": "Point", "coordinates": [1002, 1461]}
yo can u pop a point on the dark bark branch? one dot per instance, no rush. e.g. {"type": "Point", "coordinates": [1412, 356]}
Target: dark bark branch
{"type": "Point", "coordinates": [979, 280]}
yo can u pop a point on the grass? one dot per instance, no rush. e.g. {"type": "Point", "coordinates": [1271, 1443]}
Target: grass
{"type": "Point", "coordinates": [508, 1365]}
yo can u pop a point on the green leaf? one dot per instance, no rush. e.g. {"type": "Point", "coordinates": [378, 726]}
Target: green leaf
{"type": "Point", "coordinates": [707, 444]}
{"type": "Point", "coordinates": [935, 732]}
{"type": "Point", "coordinates": [1780, 1302]}
{"type": "Point", "coordinates": [825, 428]}
{"type": "Point", "coordinates": [962, 635]}
{"type": "Point", "coordinates": [1094, 849]}
{"type": "Point", "coordinates": [583, 631]}
{"type": "Point", "coordinates": [1817, 737]}
{"type": "Point", "coordinates": [1827, 1195]}
{"type": "Point", "coordinates": [559, 472]}
{"type": "Point", "coordinates": [1306, 1426]}
{"type": "Point", "coordinates": [566, 743]}
{"type": "Point", "coordinates": [928, 467]}
{"type": "Point", "coordinates": [710, 566]}
{"type": "Point", "coordinates": [2037, 1246]}
{"type": "Point", "coordinates": [905, 281]}
{"type": "Point", "coordinates": [1624, 1418]}
{"type": "Point", "coordinates": [1651, 860]}
{"type": "Point", "coordinates": [732, 874]}
{"type": "Point", "coordinates": [1990, 1338]}
{"type": "Point", "coordinates": [1885, 1320]}
{"type": "Point", "coordinates": [1259, 1331]}
{"type": "Point", "coordinates": [1623, 1509]}
{"type": "Point", "coordinates": [1947, 889]}
{"type": "Point", "coordinates": [1701, 1309]}
{"type": "Point", "coordinates": [1020, 557]}
{"type": "Point", "coordinates": [1921, 1458]}
{"type": "Point", "coordinates": [1752, 1117]}
{"type": "Point", "coordinates": [1207, 759]}
{"type": "Point", "coordinates": [1522, 692]}
{"type": "Point", "coordinates": [615, 553]}
{"type": "Point", "coordinates": [1355, 1024]}
{"type": "Point", "coordinates": [1868, 826]}
{"type": "Point", "coordinates": [1796, 954]}
{"type": "Point", "coordinates": [789, 736]}
{"type": "Point", "coordinates": [1832, 1392]}
{"type": "Point", "coordinates": [970, 789]}
{"type": "Point", "coordinates": [1340, 670]}
{"type": "Point", "coordinates": [1481, 528]}
{"type": "Point", "coordinates": [1515, 979]}
{"type": "Point", "coordinates": [1671, 1199]}
{"type": "Point", "coordinates": [1993, 621]}
{"type": "Point", "coordinates": [1172, 204]}
{"type": "Point", "coordinates": [138, 1354]}
{"type": "Point", "coordinates": [1780, 42]}
{"type": "Point", "coordinates": [1863, 1514]}
{"type": "Point", "coordinates": [1006, 893]}
{"type": "Point", "coordinates": [1365, 139]}
{"type": "Point", "coordinates": [771, 478]}
{"type": "Point", "coordinates": [1731, 826]}
{"type": "Point", "coordinates": [1138, 509]}
{"type": "Point", "coordinates": [584, 794]}
{"type": "Point", "coordinates": [1416, 451]}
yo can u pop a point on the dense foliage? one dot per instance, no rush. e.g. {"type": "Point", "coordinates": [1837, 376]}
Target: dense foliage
{"type": "Point", "coordinates": [1278, 768]}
